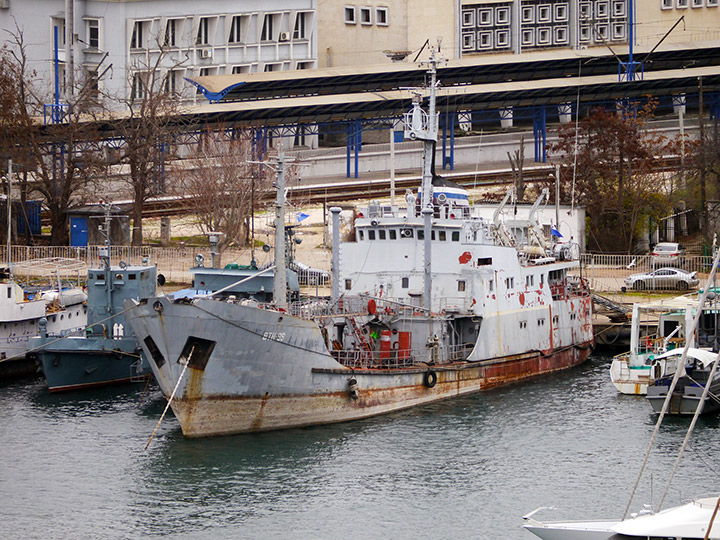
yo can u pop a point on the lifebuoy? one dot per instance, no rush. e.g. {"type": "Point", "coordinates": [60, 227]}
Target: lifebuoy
{"type": "Point", "coordinates": [430, 379]}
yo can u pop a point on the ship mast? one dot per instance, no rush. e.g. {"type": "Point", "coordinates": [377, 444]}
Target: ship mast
{"type": "Point", "coordinates": [280, 279]}
{"type": "Point", "coordinates": [424, 126]}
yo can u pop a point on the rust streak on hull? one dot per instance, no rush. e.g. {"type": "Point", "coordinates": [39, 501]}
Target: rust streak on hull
{"type": "Point", "coordinates": [222, 415]}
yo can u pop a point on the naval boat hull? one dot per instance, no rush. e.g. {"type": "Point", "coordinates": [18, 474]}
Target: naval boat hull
{"type": "Point", "coordinates": [75, 363]}
{"type": "Point", "coordinates": [236, 369]}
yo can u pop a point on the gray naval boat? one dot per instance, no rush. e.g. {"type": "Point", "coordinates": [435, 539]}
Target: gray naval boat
{"type": "Point", "coordinates": [108, 353]}
{"type": "Point", "coordinates": [437, 302]}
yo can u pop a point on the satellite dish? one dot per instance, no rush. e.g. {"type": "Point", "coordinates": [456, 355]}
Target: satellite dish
{"type": "Point", "coordinates": [199, 259]}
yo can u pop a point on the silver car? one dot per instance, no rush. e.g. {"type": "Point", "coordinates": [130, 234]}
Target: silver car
{"type": "Point", "coordinates": [668, 253]}
{"type": "Point", "coordinates": [663, 278]}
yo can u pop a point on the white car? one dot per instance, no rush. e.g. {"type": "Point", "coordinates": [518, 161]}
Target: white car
{"type": "Point", "coordinates": [663, 278]}
{"type": "Point", "coordinates": [668, 253]}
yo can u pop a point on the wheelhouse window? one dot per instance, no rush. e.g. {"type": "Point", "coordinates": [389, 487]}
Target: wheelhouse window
{"type": "Point", "coordinates": [461, 286]}
{"type": "Point", "coordinates": [348, 284]}
{"type": "Point", "coordinates": [371, 234]}
{"type": "Point", "coordinates": [382, 234]}
{"type": "Point", "coordinates": [393, 234]}
{"type": "Point", "coordinates": [405, 282]}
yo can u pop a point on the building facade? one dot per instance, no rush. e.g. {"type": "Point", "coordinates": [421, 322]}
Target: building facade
{"type": "Point", "coordinates": [371, 32]}
{"type": "Point", "coordinates": [115, 41]}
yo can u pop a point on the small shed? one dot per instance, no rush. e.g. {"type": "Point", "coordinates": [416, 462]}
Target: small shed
{"type": "Point", "coordinates": [86, 221]}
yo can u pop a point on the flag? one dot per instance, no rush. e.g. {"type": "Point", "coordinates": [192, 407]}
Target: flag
{"type": "Point", "coordinates": [301, 216]}
{"type": "Point", "coordinates": [555, 232]}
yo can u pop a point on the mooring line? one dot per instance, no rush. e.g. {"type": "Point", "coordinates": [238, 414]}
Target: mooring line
{"type": "Point", "coordinates": [182, 374]}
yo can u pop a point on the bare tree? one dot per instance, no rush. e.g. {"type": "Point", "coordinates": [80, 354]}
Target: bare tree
{"type": "Point", "coordinates": [220, 180]}
{"type": "Point", "coordinates": [617, 174]}
{"type": "Point", "coordinates": [517, 161]}
{"type": "Point", "coordinates": [63, 156]}
{"type": "Point", "coordinates": [152, 107]}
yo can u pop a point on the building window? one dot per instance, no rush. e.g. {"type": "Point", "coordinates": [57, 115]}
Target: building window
{"type": "Point", "coordinates": [236, 35]}
{"type": "Point", "coordinates": [170, 82]}
{"type": "Point", "coordinates": [267, 28]}
{"type": "Point", "coordinates": [203, 35]}
{"type": "Point", "coordinates": [682, 4]}
{"type": "Point", "coordinates": [468, 18]}
{"type": "Point", "coordinates": [711, 3]}
{"type": "Point", "coordinates": [299, 30]}
{"type": "Point", "coordinates": [543, 13]}
{"type": "Point", "coordinates": [60, 25]}
{"type": "Point", "coordinates": [667, 4]}
{"type": "Point", "coordinates": [350, 15]}
{"type": "Point", "coordinates": [138, 87]}
{"type": "Point", "coordinates": [365, 15]}
{"type": "Point", "coordinates": [561, 12]}
{"type": "Point", "coordinates": [381, 16]}
{"type": "Point", "coordinates": [502, 16]}
{"type": "Point", "coordinates": [92, 28]}
{"type": "Point", "coordinates": [171, 33]}
{"type": "Point", "coordinates": [136, 40]}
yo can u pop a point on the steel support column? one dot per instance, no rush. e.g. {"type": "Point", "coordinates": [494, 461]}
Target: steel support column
{"type": "Point", "coordinates": [540, 134]}
{"type": "Point", "coordinates": [448, 118]}
{"type": "Point", "coordinates": [354, 141]}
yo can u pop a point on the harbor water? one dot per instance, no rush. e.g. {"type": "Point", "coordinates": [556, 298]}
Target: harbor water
{"type": "Point", "coordinates": [74, 466]}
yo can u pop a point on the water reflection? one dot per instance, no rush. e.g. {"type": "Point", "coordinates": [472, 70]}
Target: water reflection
{"type": "Point", "coordinates": [469, 467]}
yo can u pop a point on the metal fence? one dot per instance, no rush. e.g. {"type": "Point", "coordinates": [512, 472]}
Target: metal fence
{"type": "Point", "coordinates": [603, 272]}
{"type": "Point", "coordinates": [608, 272]}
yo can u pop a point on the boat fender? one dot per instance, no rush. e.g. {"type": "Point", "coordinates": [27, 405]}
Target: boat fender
{"type": "Point", "coordinates": [353, 388]}
{"type": "Point", "coordinates": [430, 379]}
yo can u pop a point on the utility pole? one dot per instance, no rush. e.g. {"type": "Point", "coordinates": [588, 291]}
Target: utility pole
{"type": "Point", "coordinates": [703, 192]}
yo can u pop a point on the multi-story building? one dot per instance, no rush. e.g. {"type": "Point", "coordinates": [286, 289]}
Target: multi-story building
{"type": "Point", "coordinates": [178, 37]}
{"type": "Point", "coordinates": [369, 32]}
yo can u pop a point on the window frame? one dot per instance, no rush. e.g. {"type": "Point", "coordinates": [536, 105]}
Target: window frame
{"type": "Point", "coordinates": [98, 28]}
{"type": "Point", "coordinates": [137, 41]}
{"type": "Point", "coordinates": [350, 14]}
{"type": "Point", "coordinates": [384, 19]}
{"type": "Point", "coordinates": [366, 16]}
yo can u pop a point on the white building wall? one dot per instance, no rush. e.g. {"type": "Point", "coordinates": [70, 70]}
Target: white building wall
{"type": "Point", "coordinates": [210, 37]}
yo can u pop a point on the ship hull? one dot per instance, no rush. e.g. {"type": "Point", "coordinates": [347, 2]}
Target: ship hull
{"type": "Point", "coordinates": [267, 371]}
{"type": "Point", "coordinates": [630, 379]}
{"type": "Point", "coordinates": [77, 363]}
{"type": "Point", "coordinates": [378, 393]}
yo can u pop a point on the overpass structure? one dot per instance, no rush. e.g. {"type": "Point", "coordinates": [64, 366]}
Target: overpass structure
{"type": "Point", "coordinates": [535, 87]}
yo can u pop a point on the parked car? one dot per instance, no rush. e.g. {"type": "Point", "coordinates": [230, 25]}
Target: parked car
{"type": "Point", "coordinates": [663, 278]}
{"type": "Point", "coordinates": [668, 253]}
